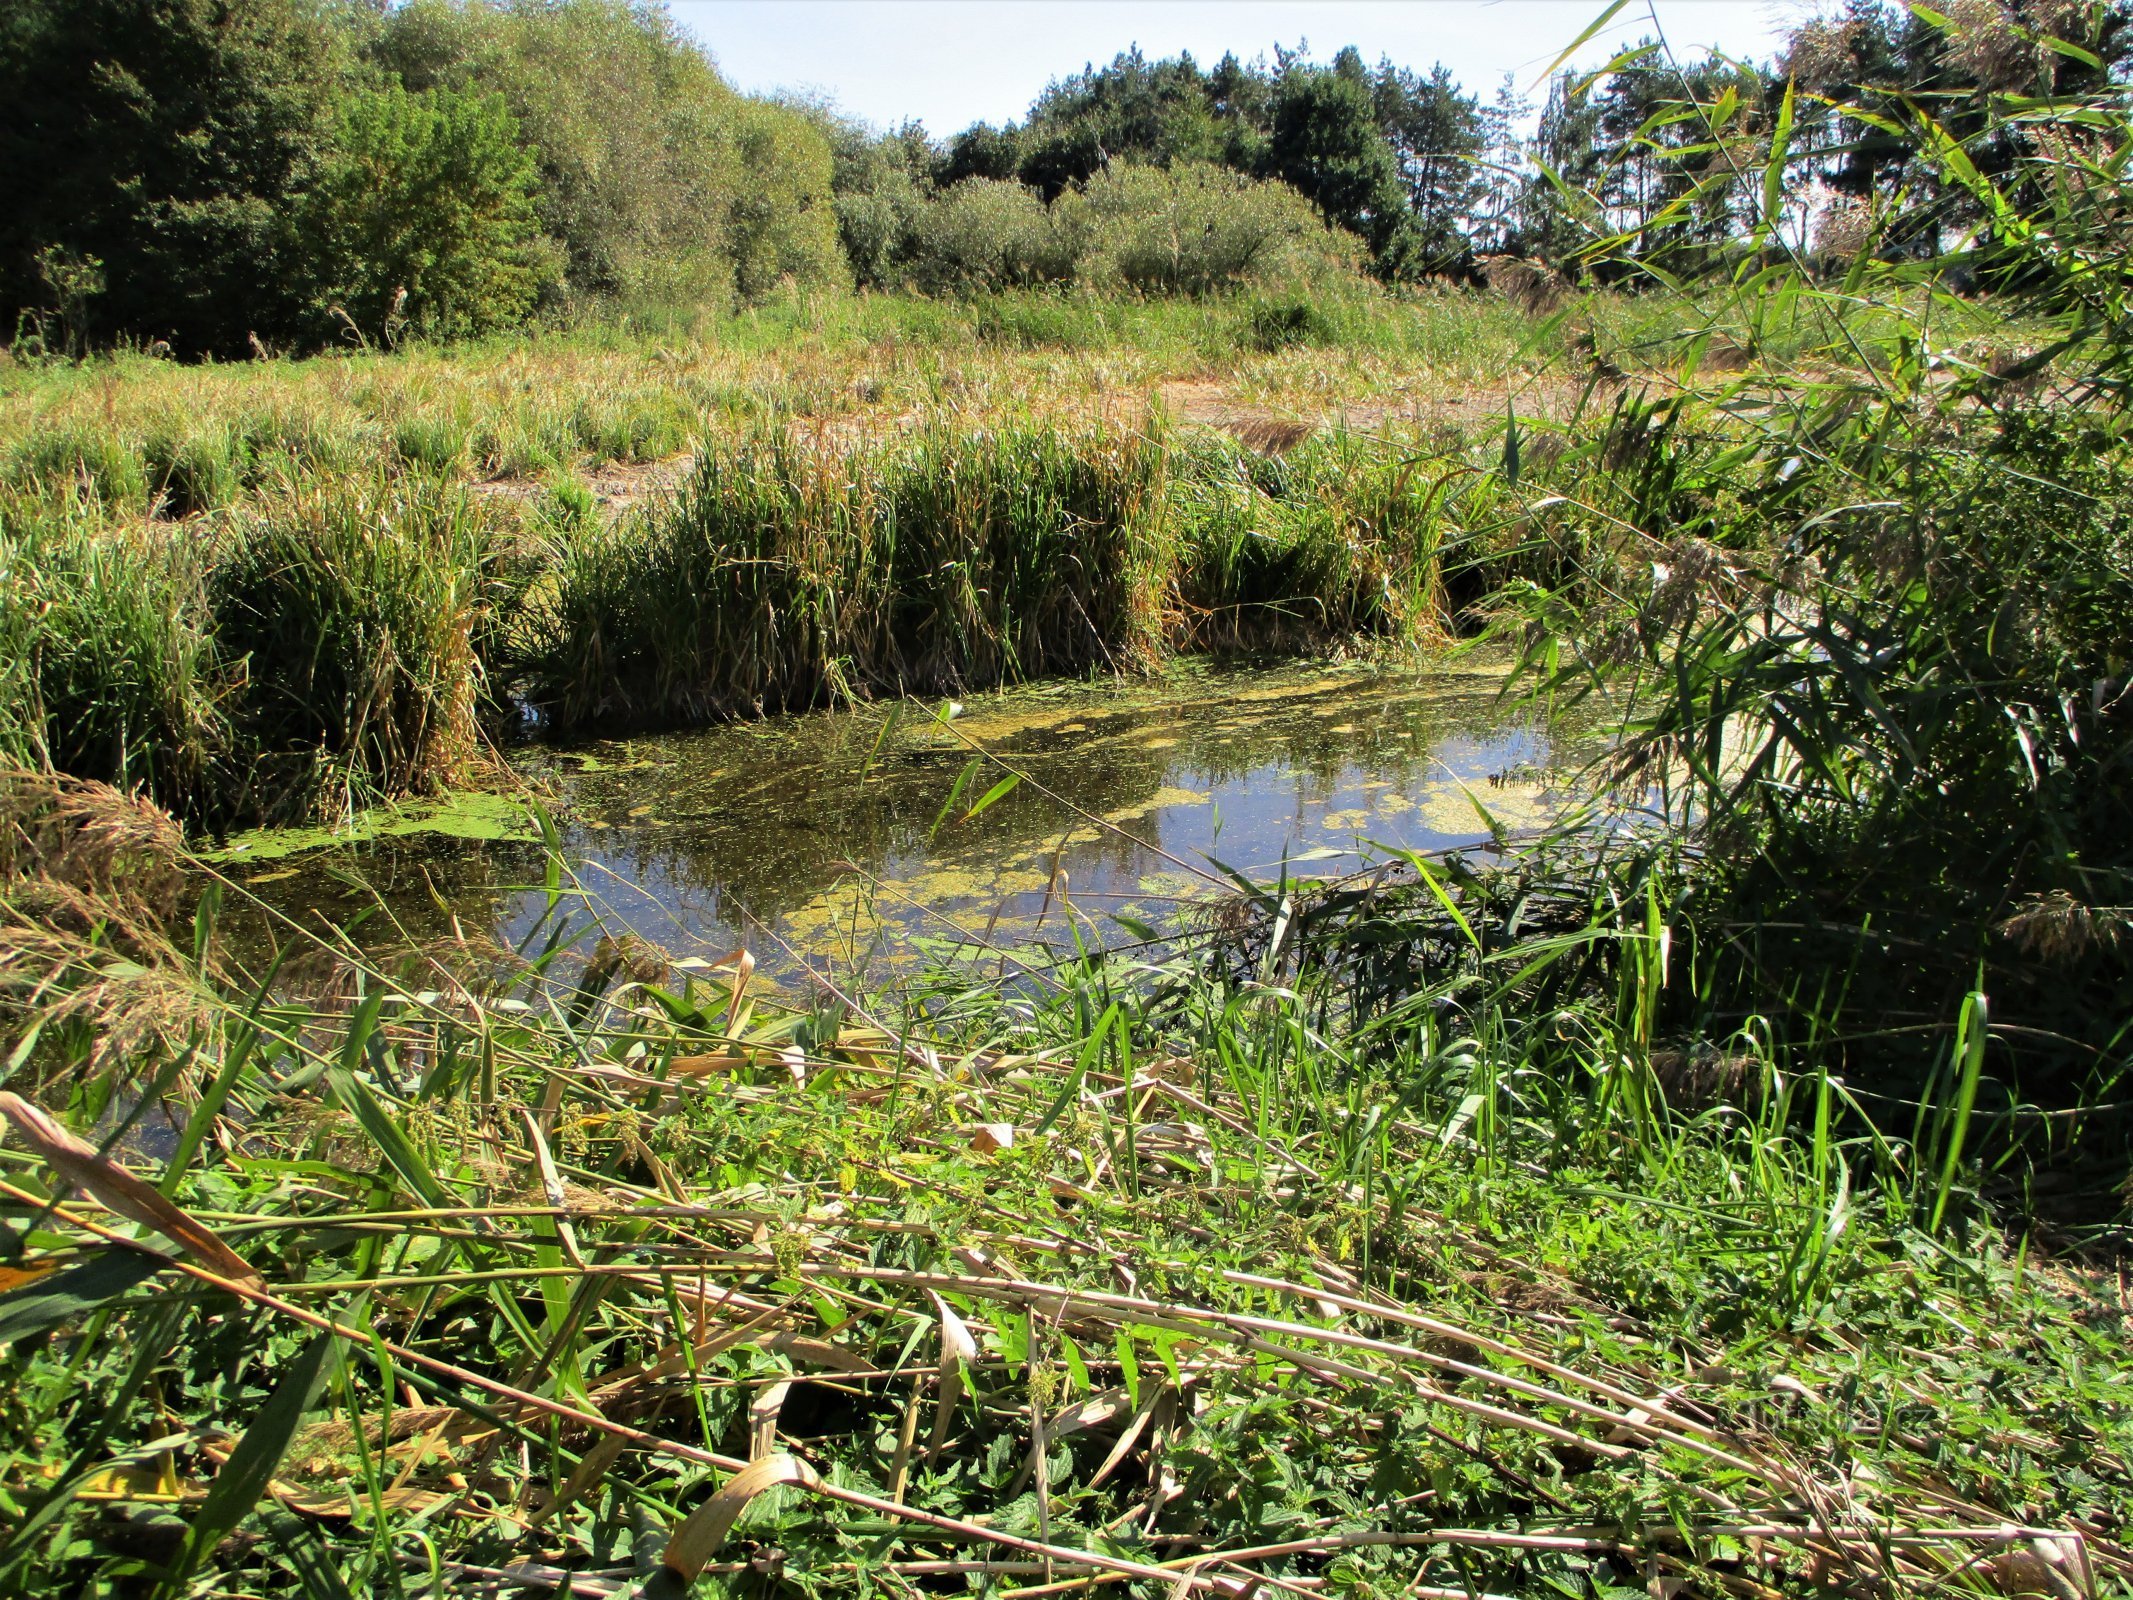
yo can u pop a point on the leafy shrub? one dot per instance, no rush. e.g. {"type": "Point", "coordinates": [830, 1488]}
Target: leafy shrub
{"type": "Point", "coordinates": [781, 225]}
{"type": "Point", "coordinates": [991, 233]}
{"type": "Point", "coordinates": [1193, 229]}
{"type": "Point", "coordinates": [424, 215]}
{"type": "Point", "coordinates": [165, 142]}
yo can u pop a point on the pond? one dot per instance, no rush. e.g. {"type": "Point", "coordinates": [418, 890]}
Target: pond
{"type": "Point", "coordinates": [831, 838]}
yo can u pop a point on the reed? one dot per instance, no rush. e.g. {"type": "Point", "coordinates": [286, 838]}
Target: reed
{"type": "Point", "coordinates": [792, 570]}
{"type": "Point", "coordinates": [637, 1276]}
{"type": "Point", "coordinates": [352, 605]}
{"type": "Point", "coordinates": [112, 670]}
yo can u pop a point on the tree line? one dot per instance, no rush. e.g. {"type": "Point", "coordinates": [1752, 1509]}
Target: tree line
{"type": "Point", "coordinates": [232, 175]}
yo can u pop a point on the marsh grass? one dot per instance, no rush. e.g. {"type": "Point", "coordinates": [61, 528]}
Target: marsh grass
{"type": "Point", "coordinates": [639, 385]}
{"type": "Point", "coordinates": [1337, 540]}
{"type": "Point", "coordinates": [351, 605]}
{"type": "Point", "coordinates": [1128, 1270]}
{"type": "Point", "coordinates": [790, 570]}
{"type": "Point", "coordinates": [112, 667]}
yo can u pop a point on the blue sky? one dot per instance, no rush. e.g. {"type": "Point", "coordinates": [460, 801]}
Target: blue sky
{"type": "Point", "coordinates": [954, 62]}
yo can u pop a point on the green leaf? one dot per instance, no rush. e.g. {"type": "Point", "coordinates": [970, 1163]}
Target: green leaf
{"type": "Point", "coordinates": [303, 1549]}
{"type": "Point", "coordinates": [1579, 43]}
{"type": "Point", "coordinates": [74, 1292]}
{"type": "Point", "coordinates": [1129, 1366]}
{"type": "Point", "coordinates": [393, 1143]}
{"type": "Point", "coordinates": [955, 792]}
{"type": "Point", "coordinates": [998, 791]}
{"type": "Point", "coordinates": [1774, 170]}
{"type": "Point", "coordinates": [250, 1468]}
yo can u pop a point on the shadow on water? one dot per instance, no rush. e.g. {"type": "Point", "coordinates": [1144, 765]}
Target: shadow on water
{"type": "Point", "coordinates": [821, 837]}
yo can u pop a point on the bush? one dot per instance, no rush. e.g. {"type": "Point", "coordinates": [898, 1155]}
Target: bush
{"type": "Point", "coordinates": [353, 604]}
{"type": "Point", "coordinates": [782, 226]}
{"type": "Point", "coordinates": [424, 215]}
{"type": "Point", "coordinates": [1193, 229]}
{"type": "Point", "coordinates": [991, 233]}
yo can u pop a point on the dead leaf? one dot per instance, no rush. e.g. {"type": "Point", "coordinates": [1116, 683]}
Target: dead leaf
{"type": "Point", "coordinates": [957, 1347]}
{"type": "Point", "coordinates": [991, 1136]}
{"type": "Point", "coordinates": [695, 1542]}
{"type": "Point", "coordinates": [763, 1418]}
{"type": "Point", "coordinates": [86, 1168]}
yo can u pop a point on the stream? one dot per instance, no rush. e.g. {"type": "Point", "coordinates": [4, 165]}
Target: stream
{"type": "Point", "coordinates": [829, 839]}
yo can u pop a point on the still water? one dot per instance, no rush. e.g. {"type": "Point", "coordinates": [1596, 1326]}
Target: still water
{"type": "Point", "coordinates": [831, 838]}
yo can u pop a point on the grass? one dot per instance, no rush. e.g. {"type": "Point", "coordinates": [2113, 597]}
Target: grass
{"type": "Point", "coordinates": [1663, 1205]}
{"type": "Point", "coordinates": [788, 571]}
{"type": "Point", "coordinates": [634, 388]}
{"type": "Point", "coordinates": [332, 636]}
{"type": "Point", "coordinates": [1130, 1273]}
{"type": "Point", "coordinates": [353, 606]}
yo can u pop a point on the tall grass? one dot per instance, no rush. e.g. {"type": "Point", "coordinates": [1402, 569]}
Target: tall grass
{"type": "Point", "coordinates": [352, 606]}
{"type": "Point", "coordinates": [1339, 539]}
{"type": "Point", "coordinates": [112, 670]}
{"type": "Point", "coordinates": [642, 1277]}
{"type": "Point", "coordinates": [790, 570]}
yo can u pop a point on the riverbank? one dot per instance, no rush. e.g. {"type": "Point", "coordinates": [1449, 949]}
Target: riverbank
{"type": "Point", "coordinates": [1027, 1283]}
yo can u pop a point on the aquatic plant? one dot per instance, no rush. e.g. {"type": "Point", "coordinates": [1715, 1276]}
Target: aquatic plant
{"type": "Point", "coordinates": [112, 670]}
{"type": "Point", "coordinates": [609, 1270]}
{"type": "Point", "coordinates": [789, 570]}
{"type": "Point", "coordinates": [351, 605]}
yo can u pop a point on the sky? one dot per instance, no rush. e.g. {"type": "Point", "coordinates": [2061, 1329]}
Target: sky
{"type": "Point", "coordinates": [950, 63]}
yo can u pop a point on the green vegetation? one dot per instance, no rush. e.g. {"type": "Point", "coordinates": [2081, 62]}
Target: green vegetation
{"type": "Point", "coordinates": [1723, 1193]}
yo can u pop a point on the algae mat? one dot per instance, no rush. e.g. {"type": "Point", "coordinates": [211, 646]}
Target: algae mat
{"type": "Point", "coordinates": [831, 839]}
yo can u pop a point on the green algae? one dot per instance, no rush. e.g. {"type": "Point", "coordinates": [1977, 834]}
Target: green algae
{"type": "Point", "coordinates": [473, 815]}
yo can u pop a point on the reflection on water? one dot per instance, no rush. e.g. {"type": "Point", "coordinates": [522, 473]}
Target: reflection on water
{"type": "Point", "coordinates": [816, 836]}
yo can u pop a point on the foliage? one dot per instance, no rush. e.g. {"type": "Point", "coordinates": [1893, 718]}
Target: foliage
{"type": "Point", "coordinates": [991, 233]}
{"type": "Point", "coordinates": [1033, 1278]}
{"type": "Point", "coordinates": [1325, 143]}
{"type": "Point", "coordinates": [1875, 637]}
{"type": "Point", "coordinates": [655, 176]}
{"type": "Point", "coordinates": [878, 185]}
{"type": "Point", "coordinates": [423, 216]}
{"type": "Point", "coordinates": [1198, 229]}
{"type": "Point", "coordinates": [162, 140]}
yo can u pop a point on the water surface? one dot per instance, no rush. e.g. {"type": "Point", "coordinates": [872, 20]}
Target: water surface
{"type": "Point", "coordinates": [830, 838]}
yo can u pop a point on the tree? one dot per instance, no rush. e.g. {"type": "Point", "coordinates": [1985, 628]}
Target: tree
{"type": "Point", "coordinates": [165, 138]}
{"type": "Point", "coordinates": [878, 186]}
{"type": "Point", "coordinates": [1155, 112]}
{"type": "Point", "coordinates": [1437, 138]}
{"type": "Point", "coordinates": [782, 228]}
{"type": "Point", "coordinates": [980, 151]}
{"type": "Point", "coordinates": [652, 168]}
{"type": "Point", "coordinates": [424, 213]}
{"type": "Point", "coordinates": [1325, 143]}
{"type": "Point", "coordinates": [1494, 224]}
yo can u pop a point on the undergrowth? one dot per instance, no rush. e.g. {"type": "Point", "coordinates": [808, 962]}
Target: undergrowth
{"type": "Point", "coordinates": [578, 1265]}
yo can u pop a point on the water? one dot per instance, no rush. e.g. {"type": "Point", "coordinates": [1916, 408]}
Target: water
{"type": "Point", "coordinates": [823, 839]}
